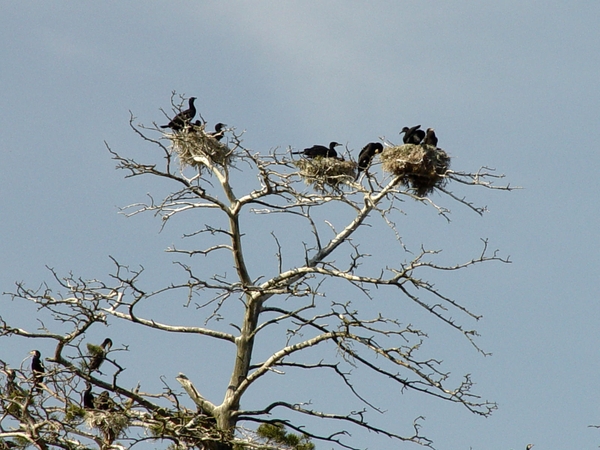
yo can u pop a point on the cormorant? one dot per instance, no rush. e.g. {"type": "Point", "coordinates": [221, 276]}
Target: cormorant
{"type": "Point", "coordinates": [88, 397]}
{"type": "Point", "coordinates": [183, 118]}
{"type": "Point", "coordinates": [37, 368]}
{"type": "Point", "coordinates": [98, 357]}
{"type": "Point", "coordinates": [431, 138]}
{"type": "Point", "coordinates": [219, 132]}
{"type": "Point", "coordinates": [319, 150]}
{"type": "Point", "coordinates": [366, 155]}
{"type": "Point", "coordinates": [103, 401]}
{"type": "Point", "coordinates": [412, 135]}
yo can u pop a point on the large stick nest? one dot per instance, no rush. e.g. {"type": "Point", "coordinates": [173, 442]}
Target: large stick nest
{"type": "Point", "coordinates": [193, 145]}
{"type": "Point", "coordinates": [421, 167]}
{"type": "Point", "coordinates": [321, 171]}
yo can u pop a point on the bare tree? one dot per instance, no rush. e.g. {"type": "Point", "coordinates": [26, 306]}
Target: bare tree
{"type": "Point", "coordinates": [323, 235]}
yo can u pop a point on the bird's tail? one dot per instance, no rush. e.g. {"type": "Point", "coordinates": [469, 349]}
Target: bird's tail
{"type": "Point", "coordinates": [297, 153]}
{"type": "Point", "coordinates": [164, 126]}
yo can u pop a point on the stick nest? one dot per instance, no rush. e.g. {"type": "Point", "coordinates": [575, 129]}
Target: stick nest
{"type": "Point", "coordinates": [321, 171]}
{"type": "Point", "coordinates": [193, 145]}
{"type": "Point", "coordinates": [110, 423]}
{"type": "Point", "coordinates": [421, 167]}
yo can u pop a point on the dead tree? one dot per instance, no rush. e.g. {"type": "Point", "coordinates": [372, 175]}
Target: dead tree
{"type": "Point", "coordinates": [319, 237]}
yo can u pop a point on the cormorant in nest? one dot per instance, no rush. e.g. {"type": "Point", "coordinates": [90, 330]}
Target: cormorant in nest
{"type": "Point", "coordinates": [183, 118]}
{"type": "Point", "coordinates": [412, 135]}
{"type": "Point", "coordinates": [431, 138]}
{"type": "Point", "coordinates": [219, 132]}
{"type": "Point", "coordinates": [366, 156]}
{"type": "Point", "coordinates": [99, 355]}
{"type": "Point", "coordinates": [105, 403]}
{"type": "Point", "coordinates": [38, 369]}
{"type": "Point", "coordinates": [319, 150]}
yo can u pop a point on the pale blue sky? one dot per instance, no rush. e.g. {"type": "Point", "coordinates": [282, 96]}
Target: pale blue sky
{"type": "Point", "coordinates": [507, 84]}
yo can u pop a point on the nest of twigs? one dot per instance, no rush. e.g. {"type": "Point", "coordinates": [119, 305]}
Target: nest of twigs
{"type": "Point", "coordinates": [321, 171]}
{"type": "Point", "coordinates": [111, 424]}
{"type": "Point", "coordinates": [421, 167]}
{"type": "Point", "coordinates": [194, 147]}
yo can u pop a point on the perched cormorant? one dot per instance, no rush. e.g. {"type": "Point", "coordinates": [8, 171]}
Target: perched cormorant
{"type": "Point", "coordinates": [430, 137]}
{"type": "Point", "coordinates": [98, 357]}
{"type": "Point", "coordinates": [412, 135]}
{"type": "Point", "coordinates": [88, 397]}
{"type": "Point", "coordinates": [219, 132]}
{"type": "Point", "coordinates": [104, 402]}
{"type": "Point", "coordinates": [366, 155]}
{"type": "Point", "coordinates": [37, 368]}
{"type": "Point", "coordinates": [319, 150]}
{"type": "Point", "coordinates": [183, 118]}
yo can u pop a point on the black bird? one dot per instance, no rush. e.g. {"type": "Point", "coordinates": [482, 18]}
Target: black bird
{"type": "Point", "coordinates": [366, 155]}
{"type": "Point", "coordinates": [412, 135]}
{"type": "Point", "coordinates": [219, 132]}
{"type": "Point", "coordinates": [319, 150]}
{"type": "Point", "coordinates": [431, 138]}
{"type": "Point", "coordinates": [183, 118]}
{"type": "Point", "coordinates": [103, 401]}
{"type": "Point", "coordinates": [194, 126]}
{"type": "Point", "coordinates": [99, 354]}
{"type": "Point", "coordinates": [88, 398]}
{"type": "Point", "coordinates": [38, 369]}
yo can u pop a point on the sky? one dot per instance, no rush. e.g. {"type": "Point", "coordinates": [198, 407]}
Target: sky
{"type": "Point", "coordinates": [506, 84]}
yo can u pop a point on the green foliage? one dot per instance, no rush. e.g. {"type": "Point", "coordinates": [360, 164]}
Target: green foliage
{"type": "Point", "coordinates": [15, 443]}
{"type": "Point", "coordinates": [94, 350]}
{"type": "Point", "coordinates": [74, 412]}
{"type": "Point", "coordinates": [275, 433]}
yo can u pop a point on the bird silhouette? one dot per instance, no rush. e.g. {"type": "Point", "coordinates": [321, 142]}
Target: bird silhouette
{"type": "Point", "coordinates": [103, 401]}
{"type": "Point", "coordinates": [412, 135]}
{"type": "Point", "coordinates": [319, 150]}
{"type": "Point", "coordinates": [37, 367]}
{"type": "Point", "coordinates": [431, 138]}
{"type": "Point", "coordinates": [366, 155]}
{"type": "Point", "coordinates": [88, 397]}
{"type": "Point", "coordinates": [98, 354]}
{"type": "Point", "coordinates": [219, 132]}
{"type": "Point", "coordinates": [182, 119]}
